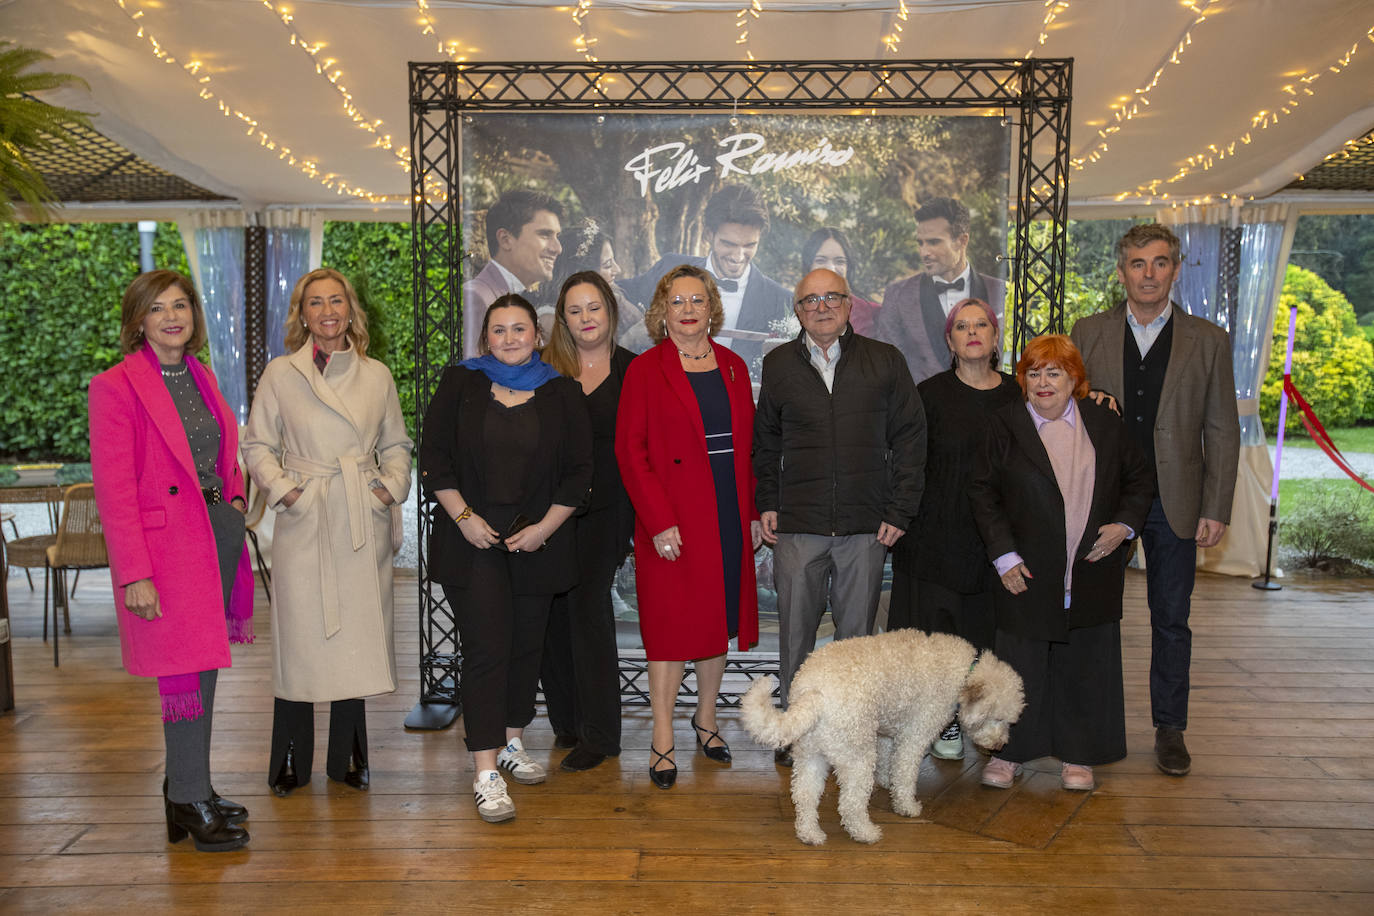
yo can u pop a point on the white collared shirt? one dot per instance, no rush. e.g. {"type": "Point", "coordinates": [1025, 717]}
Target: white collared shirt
{"type": "Point", "coordinates": [1147, 334]}
{"type": "Point", "coordinates": [825, 361]}
{"type": "Point", "coordinates": [952, 297]}
{"type": "Point", "coordinates": [733, 303]}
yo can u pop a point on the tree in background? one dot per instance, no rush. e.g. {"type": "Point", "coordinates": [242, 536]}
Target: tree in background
{"type": "Point", "coordinates": [1341, 249]}
{"type": "Point", "coordinates": [1333, 363]}
{"type": "Point", "coordinates": [28, 124]}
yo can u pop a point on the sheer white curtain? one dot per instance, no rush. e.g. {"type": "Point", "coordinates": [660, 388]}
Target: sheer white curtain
{"type": "Point", "coordinates": [1204, 288]}
{"type": "Point", "coordinates": [214, 246]}
{"type": "Point", "coordinates": [288, 258]}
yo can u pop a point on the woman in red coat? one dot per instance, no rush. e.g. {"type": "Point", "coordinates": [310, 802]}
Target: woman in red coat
{"type": "Point", "coordinates": [684, 433]}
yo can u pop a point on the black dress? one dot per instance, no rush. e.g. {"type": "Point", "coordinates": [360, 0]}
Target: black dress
{"type": "Point", "coordinates": [714, 402]}
{"type": "Point", "coordinates": [941, 576]}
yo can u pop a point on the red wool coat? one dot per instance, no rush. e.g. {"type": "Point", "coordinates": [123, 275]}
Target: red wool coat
{"type": "Point", "coordinates": [660, 445]}
{"type": "Point", "coordinates": [155, 520]}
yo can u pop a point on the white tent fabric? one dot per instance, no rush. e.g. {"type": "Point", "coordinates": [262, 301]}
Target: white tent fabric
{"type": "Point", "coordinates": [218, 90]}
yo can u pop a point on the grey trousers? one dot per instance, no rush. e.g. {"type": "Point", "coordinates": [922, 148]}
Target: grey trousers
{"type": "Point", "coordinates": [811, 568]}
{"type": "Point", "coordinates": [188, 748]}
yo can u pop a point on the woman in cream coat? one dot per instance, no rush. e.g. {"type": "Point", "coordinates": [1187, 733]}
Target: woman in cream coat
{"type": "Point", "coordinates": [327, 443]}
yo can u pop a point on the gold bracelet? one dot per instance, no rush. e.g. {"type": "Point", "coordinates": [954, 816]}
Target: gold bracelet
{"type": "Point", "coordinates": [466, 513]}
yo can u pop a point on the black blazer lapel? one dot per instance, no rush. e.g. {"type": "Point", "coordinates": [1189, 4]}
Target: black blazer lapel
{"type": "Point", "coordinates": [933, 322]}
{"type": "Point", "coordinates": [1028, 440]}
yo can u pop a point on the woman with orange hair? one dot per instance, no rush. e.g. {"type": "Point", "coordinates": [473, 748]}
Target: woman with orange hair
{"type": "Point", "coordinates": [1058, 493]}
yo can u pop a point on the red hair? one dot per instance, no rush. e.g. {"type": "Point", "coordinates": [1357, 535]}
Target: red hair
{"type": "Point", "coordinates": [1053, 350]}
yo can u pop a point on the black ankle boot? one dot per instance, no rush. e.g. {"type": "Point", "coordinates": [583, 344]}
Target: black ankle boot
{"type": "Point", "coordinates": [285, 780]}
{"type": "Point", "coordinates": [357, 775]}
{"type": "Point", "coordinates": [233, 812]}
{"type": "Point", "coordinates": [206, 825]}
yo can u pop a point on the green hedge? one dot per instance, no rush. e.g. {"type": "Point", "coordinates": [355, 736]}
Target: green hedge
{"type": "Point", "coordinates": [60, 287]}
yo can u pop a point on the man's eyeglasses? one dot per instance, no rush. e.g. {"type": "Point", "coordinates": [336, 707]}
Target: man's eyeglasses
{"type": "Point", "coordinates": [815, 301]}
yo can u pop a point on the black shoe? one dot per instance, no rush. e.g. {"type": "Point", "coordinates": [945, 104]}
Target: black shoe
{"type": "Point", "coordinates": [664, 778]}
{"type": "Point", "coordinates": [1171, 754]}
{"type": "Point", "coordinates": [206, 825]}
{"type": "Point", "coordinates": [581, 758]}
{"type": "Point", "coordinates": [783, 756]}
{"type": "Point", "coordinates": [285, 779]}
{"type": "Point", "coordinates": [233, 812]}
{"type": "Point", "coordinates": [719, 753]}
{"type": "Point", "coordinates": [565, 741]}
{"type": "Point", "coordinates": [357, 775]}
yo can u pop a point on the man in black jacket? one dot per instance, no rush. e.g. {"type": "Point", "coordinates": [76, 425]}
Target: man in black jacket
{"type": "Point", "coordinates": [839, 451]}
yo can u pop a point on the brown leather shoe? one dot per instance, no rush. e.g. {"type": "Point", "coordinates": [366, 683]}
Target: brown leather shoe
{"type": "Point", "coordinates": [1171, 754]}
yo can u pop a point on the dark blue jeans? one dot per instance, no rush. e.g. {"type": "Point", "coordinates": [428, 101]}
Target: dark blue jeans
{"type": "Point", "coordinates": [1170, 567]}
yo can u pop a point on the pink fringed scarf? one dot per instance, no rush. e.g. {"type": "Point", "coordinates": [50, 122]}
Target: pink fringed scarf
{"type": "Point", "coordinates": [180, 693]}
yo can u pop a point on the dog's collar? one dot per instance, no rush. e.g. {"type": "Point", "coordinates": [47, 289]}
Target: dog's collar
{"type": "Point", "coordinates": [974, 664]}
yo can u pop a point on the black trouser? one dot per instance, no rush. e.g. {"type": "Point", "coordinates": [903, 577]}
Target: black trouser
{"type": "Point", "coordinates": [502, 639]}
{"type": "Point", "coordinates": [293, 725]}
{"type": "Point", "coordinates": [581, 666]}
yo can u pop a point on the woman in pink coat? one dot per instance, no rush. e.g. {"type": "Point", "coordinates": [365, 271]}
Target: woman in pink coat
{"type": "Point", "coordinates": [164, 454]}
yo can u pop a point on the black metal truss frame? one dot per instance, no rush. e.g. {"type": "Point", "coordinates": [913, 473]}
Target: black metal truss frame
{"type": "Point", "coordinates": [1035, 94]}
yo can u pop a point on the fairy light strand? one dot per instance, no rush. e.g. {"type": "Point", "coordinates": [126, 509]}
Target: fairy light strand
{"type": "Point", "coordinates": [893, 39]}
{"type": "Point", "coordinates": [1126, 110]}
{"type": "Point", "coordinates": [429, 28]}
{"type": "Point", "coordinates": [585, 41]}
{"type": "Point", "coordinates": [751, 10]}
{"type": "Point", "coordinates": [1289, 99]}
{"type": "Point", "coordinates": [196, 71]}
{"type": "Point", "coordinates": [1052, 10]}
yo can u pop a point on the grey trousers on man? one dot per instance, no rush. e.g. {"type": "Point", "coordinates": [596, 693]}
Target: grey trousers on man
{"type": "Point", "coordinates": [811, 568]}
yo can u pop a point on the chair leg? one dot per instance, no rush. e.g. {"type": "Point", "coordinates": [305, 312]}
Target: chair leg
{"type": "Point", "coordinates": [58, 589]}
{"type": "Point", "coordinates": [75, 580]}
{"type": "Point", "coordinates": [66, 604]}
{"type": "Point", "coordinates": [45, 604]}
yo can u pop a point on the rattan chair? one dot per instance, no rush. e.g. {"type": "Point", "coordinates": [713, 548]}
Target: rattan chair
{"type": "Point", "coordinates": [31, 552]}
{"type": "Point", "coordinates": [80, 545]}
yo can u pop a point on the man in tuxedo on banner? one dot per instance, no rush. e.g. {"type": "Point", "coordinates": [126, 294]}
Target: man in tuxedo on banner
{"type": "Point", "coordinates": [735, 221]}
{"type": "Point", "coordinates": [912, 317]}
{"type": "Point", "coordinates": [522, 239]}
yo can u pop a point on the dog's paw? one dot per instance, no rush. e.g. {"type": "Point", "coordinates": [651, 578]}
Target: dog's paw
{"type": "Point", "coordinates": [906, 808]}
{"type": "Point", "coordinates": [811, 835]}
{"type": "Point", "coordinates": [869, 833]}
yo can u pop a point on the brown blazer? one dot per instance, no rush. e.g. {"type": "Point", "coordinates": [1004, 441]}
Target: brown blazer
{"type": "Point", "coordinates": [1197, 430]}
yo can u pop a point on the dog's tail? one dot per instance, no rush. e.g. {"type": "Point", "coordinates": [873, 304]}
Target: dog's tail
{"type": "Point", "coordinates": [773, 727]}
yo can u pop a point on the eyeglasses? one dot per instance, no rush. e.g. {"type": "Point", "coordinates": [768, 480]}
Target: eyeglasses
{"type": "Point", "coordinates": [680, 302]}
{"type": "Point", "coordinates": [815, 301]}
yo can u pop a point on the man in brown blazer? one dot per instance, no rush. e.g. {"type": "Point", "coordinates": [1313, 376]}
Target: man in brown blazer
{"type": "Point", "coordinates": [1171, 373]}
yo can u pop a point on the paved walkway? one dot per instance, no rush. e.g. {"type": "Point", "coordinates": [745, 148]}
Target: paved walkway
{"type": "Point", "coordinates": [1301, 463]}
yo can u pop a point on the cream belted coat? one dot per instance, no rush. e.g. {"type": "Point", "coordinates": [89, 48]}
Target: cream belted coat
{"type": "Point", "coordinates": [332, 434]}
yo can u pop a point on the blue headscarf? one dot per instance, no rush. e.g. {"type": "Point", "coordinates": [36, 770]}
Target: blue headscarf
{"type": "Point", "coordinates": [527, 376]}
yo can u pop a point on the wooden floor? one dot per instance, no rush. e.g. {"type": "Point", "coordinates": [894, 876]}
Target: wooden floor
{"type": "Point", "coordinates": [1278, 814]}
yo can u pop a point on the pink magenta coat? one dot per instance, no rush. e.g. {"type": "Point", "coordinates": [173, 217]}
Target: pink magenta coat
{"type": "Point", "coordinates": [660, 445]}
{"type": "Point", "coordinates": [155, 520]}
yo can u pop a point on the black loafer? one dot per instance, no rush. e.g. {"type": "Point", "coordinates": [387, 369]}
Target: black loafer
{"type": "Point", "coordinates": [1171, 754]}
{"type": "Point", "coordinates": [581, 758]}
{"type": "Point", "coordinates": [233, 812]}
{"type": "Point", "coordinates": [565, 741]}
{"type": "Point", "coordinates": [285, 780]}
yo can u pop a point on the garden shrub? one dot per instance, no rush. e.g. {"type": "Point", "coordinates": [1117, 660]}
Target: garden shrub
{"type": "Point", "coordinates": [1331, 527]}
{"type": "Point", "coordinates": [1333, 362]}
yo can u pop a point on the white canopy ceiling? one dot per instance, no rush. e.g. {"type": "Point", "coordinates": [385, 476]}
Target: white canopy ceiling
{"type": "Point", "coordinates": [216, 90]}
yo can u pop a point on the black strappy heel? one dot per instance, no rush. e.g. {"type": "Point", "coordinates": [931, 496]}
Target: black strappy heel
{"type": "Point", "coordinates": [720, 753]}
{"type": "Point", "coordinates": [665, 778]}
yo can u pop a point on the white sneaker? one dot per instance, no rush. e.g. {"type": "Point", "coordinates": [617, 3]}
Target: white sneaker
{"type": "Point", "coordinates": [515, 761]}
{"type": "Point", "coordinates": [950, 744]}
{"type": "Point", "coordinates": [493, 804]}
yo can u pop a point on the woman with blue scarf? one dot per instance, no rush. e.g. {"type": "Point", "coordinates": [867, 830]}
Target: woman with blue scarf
{"type": "Point", "coordinates": [507, 454]}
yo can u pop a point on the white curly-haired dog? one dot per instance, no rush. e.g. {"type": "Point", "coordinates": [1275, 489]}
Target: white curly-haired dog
{"type": "Point", "coordinates": [904, 685]}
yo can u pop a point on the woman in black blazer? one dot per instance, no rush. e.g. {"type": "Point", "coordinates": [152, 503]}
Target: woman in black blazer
{"type": "Point", "coordinates": [507, 453]}
{"type": "Point", "coordinates": [1059, 492]}
{"type": "Point", "coordinates": [581, 668]}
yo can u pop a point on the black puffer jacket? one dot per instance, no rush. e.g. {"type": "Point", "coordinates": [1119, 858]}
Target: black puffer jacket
{"type": "Point", "coordinates": [843, 462]}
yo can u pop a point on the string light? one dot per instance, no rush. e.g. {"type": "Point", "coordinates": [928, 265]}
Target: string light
{"type": "Point", "coordinates": [1052, 10]}
{"type": "Point", "coordinates": [332, 76]}
{"type": "Point", "coordinates": [893, 39]}
{"type": "Point", "coordinates": [1212, 153]}
{"type": "Point", "coordinates": [427, 27]}
{"type": "Point", "coordinates": [584, 42]}
{"type": "Point", "coordinates": [307, 166]}
{"type": "Point", "coordinates": [753, 9]}
{"type": "Point", "coordinates": [1127, 109]}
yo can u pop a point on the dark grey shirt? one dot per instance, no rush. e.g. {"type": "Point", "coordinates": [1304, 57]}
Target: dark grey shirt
{"type": "Point", "coordinates": [202, 432]}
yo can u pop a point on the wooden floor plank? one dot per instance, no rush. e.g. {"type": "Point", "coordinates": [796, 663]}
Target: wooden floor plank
{"type": "Point", "coordinates": [1277, 815]}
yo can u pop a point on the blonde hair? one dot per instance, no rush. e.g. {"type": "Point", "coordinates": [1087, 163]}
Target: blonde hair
{"type": "Point", "coordinates": [561, 353]}
{"type": "Point", "coordinates": [138, 302]}
{"type": "Point", "coordinates": [656, 316]}
{"type": "Point", "coordinates": [296, 332]}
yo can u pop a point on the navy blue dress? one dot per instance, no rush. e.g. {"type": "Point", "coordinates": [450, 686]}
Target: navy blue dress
{"type": "Point", "coordinates": [714, 402]}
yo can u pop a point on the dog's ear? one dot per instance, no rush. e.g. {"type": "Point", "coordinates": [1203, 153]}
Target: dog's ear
{"type": "Point", "coordinates": [973, 692]}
